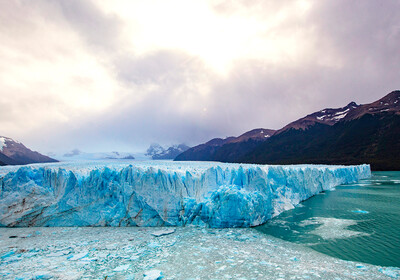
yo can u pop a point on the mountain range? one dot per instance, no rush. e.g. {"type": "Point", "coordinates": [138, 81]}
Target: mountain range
{"type": "Point", "coordinates": [353, 134]}
{"type": "Point", "coordinates": [157, 152]}
{"type": "Point", "coordinates": [77, 154]}
{"type": "Point", "coordinates": [13, 153]}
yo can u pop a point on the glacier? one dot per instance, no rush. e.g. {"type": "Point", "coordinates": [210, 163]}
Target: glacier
{"type": "Point", "coordinates": [209, 194]}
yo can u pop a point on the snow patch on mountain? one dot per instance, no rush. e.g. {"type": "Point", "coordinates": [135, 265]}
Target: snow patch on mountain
{"type": "Point", "coordinates": [156, 151]}
{"type": "Point", "coordinates": [2, 143]}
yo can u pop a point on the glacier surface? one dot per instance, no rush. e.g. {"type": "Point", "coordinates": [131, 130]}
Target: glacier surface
{"type": "Point", "coordinates": [160, 193]}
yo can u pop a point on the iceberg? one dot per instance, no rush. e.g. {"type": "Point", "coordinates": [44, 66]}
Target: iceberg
{"type": "Point", "coordinates": [209, 194]}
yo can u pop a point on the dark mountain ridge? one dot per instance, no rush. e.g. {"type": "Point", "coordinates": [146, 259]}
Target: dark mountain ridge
{"type": "Point", "coordinates": [353, 134]}
{"type": "Point", "coordinates": [227, 149]}
{"type": "Point", "coordinates": [328, 116]}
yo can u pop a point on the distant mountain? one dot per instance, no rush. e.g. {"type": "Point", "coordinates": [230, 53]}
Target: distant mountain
{"type": "Point", "coordinates": [352, 134]}
{"type": "Point", "coordinates": [227, 149]}
{"type": "Point", "coordinates": [77, 154]}
{"type": "Point", "coordinates": [13, 152]}
{"type": "Point", "coordinates": [157, 152]}
{"type": "Point", "coordinates": [154, 149]}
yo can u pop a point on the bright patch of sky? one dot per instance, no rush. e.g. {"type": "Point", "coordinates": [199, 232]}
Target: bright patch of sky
{"type": "Point", "coordinates": [119, 75]}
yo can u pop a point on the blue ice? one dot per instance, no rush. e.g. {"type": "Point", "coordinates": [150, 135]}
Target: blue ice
{"type": "Point", "coordinates": [207, 194]}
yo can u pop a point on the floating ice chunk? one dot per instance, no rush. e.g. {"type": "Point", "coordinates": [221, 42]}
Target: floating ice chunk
{"type": "Point", "coordinates": [6, 255]}
{"type": "Point", "coordinates": [163, 232]}
{"type": "Point", "coordinates": [361, 266]}
{"type": "Point", "coordinates": [122, 268]}
{"type": "Point", "coordinates": [360, 211]}
{"type": "Point", "coordinates": [56, 254]}
{"type": "Point", "coordinates": [78, 256]}
{"type": "Point", "coordinates": [390, 271]}
{"type": "Point", "coordinates": [154, 245]}
{"type": "Point", "coordinates": [42, 276]}
{"type": "Point", "coordinates": [102, 255]}
{"type": "Point", "coordinates": [153, 275]}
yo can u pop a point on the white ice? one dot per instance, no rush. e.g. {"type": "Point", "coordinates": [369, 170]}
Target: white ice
{"type": "Point", "coordinates": [189, 253]}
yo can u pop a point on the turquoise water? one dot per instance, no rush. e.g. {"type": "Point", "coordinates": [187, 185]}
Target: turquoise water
{"type": "Point", "coordinates": [358, 222]}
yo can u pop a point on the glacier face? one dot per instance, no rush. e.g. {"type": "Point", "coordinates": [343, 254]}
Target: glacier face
{"type": "Point", "coordinates": [160, 194]}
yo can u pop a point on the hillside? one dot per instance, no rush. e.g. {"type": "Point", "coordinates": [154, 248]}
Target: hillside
{"type": "Point", "coordinates": [352, 134]}
{"type": "Point", "coordinates": [14, 153]}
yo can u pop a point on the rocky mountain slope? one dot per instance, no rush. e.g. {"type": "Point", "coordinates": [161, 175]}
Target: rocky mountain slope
{"type": "Point", "coordinates": [352, 134]}
{"type": "Point", "coordinates": [13, 152]}
{"type": "Point", "coordinates": [229, 148]}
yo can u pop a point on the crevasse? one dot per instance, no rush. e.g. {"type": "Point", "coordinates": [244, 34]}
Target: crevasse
{"type": "Point", "coordinates": [161, 194]}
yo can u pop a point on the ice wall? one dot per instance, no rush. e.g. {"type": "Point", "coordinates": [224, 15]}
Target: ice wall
{"type": "Point", "coordinates": [158, 194]}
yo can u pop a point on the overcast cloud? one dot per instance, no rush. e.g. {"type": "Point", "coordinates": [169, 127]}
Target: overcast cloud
{"type": "Point", "coordinates": [119, 75]}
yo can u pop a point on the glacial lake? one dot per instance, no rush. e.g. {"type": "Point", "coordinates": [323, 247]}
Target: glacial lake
{"type": "Point", "coordinates": [357, 222]}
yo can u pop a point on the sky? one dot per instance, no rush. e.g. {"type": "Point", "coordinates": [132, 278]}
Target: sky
{"type": "Point", "coordinates": [117, 75]}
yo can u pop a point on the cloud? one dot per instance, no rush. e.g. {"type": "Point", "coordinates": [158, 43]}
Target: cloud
{"type": "Point", "coordinates": [117, 75]}
{"type": "Point", "coordinates": [99, 30]}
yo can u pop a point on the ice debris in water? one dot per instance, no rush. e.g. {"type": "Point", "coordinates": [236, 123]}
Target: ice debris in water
{"type": "Point", "coordinates": [360, 211]}
{"type": "Point", "coordinates": [78, 256]}
{"type": "Point", "coordinates": [332, 228]}
{"type": "Point", "coordinates": [122, 268]}
{"type": "Point", "coordinates": [189, 253]}
{"type": "Point", "coordinates": [392, 272]}
{"type": "Point", "coordinates": [153, 275]}
{"type": "Point", "coordinates": [163, 232]}
{"type": "Point", "coordinates": [208, 194]}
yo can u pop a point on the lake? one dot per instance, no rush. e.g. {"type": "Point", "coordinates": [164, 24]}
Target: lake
{"type": "Point", "coordinates": [357, 222]}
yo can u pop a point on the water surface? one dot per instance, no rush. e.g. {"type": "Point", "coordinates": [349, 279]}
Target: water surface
{"type": "Point", "coordinates": [357, 222]}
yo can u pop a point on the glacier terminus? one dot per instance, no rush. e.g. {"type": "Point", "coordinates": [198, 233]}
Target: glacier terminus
{"type": "Point", "coordinates": [209, 194]}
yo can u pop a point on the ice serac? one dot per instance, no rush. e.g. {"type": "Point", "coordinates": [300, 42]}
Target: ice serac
{"type": "Point", "coordinates": [161, 194]}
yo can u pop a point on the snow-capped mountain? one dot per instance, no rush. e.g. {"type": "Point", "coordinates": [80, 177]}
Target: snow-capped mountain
{"type": "Point", "coordinates": [13, 152]}
{"type": "Point", "coordinates": [156, 151]}
{"type": "Point", "coordinates": [258, 134]}
{"type": "Point", "coordinates": [328, 116]}
{"type": "Point", "coordinates": [389, 103]}
{"type": "Point", "coordinates": [352, 134]}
